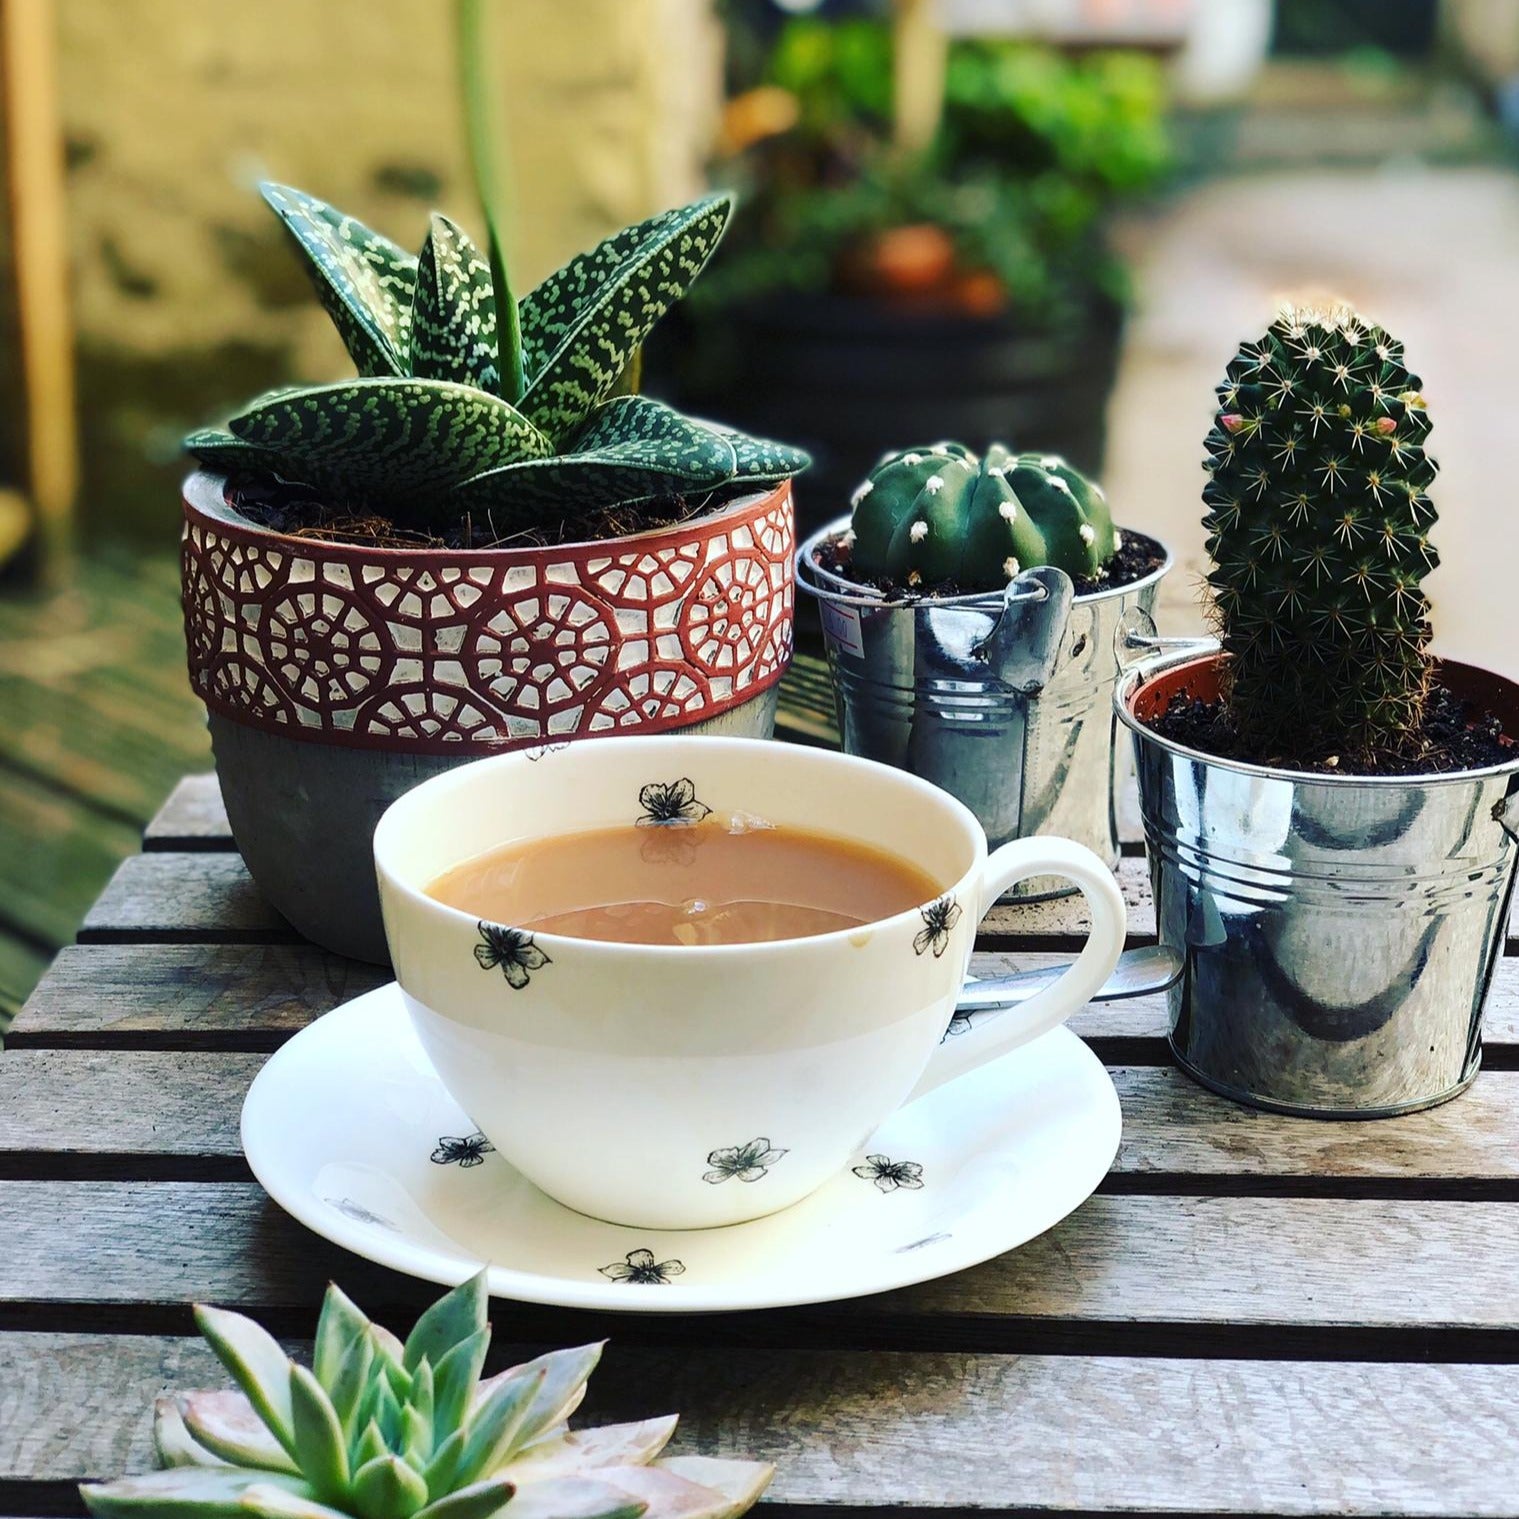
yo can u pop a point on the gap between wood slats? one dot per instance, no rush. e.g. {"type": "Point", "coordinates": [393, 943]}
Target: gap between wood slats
{"type": "Point", "coordinates": [922, 1432]}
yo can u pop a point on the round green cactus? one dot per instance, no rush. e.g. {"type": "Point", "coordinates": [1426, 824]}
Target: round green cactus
{"type": "Point", "coordinates": [1318, 527]}
{"type": "Point", "coordinates": [942, 516]}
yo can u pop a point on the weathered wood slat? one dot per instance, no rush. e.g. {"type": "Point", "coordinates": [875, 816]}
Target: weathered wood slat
{"type": "Point", "coordinates": [67, 1107]}
{"type": "Point", "coordinates": [183, 897]}
{"type": "Point", "coordinates": [1390, 1267]}
{"type": "Point", "coordinates": [192, 817]}
{"type": "Point", "coordinates": [935, 1433]}
{"type": "Point", "coordinates": [200, 996]}
{"type": "Point", "coordinates": [254, 996]}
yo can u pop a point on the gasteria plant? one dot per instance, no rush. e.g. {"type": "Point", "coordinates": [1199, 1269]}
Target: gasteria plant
{"type": "Point", "coordinates": [381, 1430]}
{"type": "Point", "coordinates": [454, 413]}
{"type": "Point", "coordinates": [1318, 523]}
{"type": "Point", "coordinates": [940, 515]}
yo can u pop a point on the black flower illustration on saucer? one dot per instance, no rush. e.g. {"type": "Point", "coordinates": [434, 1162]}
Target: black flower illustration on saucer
{"type": "Point", "coordinates": [747, 1162]}
{"type": "Point", "coordinates": [640, 1267]}
{"type": "Point", "coordinates": [469, 1151]}
{"type": "Point", "coordinates": [889, 1175]}
{"type": "Point", "coordinates": [938, 919]}
{"type": "Point", "coordinates": [671, 802]}
{"type": "Point", "coordinates": [511, 949]}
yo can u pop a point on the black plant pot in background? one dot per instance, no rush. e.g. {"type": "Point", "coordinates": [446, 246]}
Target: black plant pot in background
{"type": "Point", "coordinates": [848, 377]}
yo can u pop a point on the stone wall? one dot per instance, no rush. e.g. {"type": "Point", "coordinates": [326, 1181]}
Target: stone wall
{"type": "Point", "coordinates": [188, 300]}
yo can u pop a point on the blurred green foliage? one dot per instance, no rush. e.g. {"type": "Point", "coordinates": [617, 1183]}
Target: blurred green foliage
{"type": "Point", "coordinates": [1034, 149]}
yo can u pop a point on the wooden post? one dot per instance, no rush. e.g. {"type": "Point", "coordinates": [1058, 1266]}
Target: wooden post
{"type": "Point", "coordinates": [39, 232]}
{"type": "Point", "coordinates": [920, 54]}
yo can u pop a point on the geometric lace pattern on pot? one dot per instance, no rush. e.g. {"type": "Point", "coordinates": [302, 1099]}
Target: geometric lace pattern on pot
{"type": "Point", "coordinates": [503, 649]}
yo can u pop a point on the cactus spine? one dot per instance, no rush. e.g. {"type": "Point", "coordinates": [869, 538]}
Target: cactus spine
{"type": "Point", "coordinates": [943, 516]}
{"type": "Point", "coordinates": [1318, 522]}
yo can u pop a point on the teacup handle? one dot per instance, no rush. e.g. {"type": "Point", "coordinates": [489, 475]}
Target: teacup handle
{"type": "Point", "coordinates": [1087, 972]}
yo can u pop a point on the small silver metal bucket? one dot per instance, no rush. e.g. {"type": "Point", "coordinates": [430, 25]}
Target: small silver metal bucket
{"type": "Point", "coordinates": [1004, 700]}
{"type": "Point", "coordinates": [1338, 933]}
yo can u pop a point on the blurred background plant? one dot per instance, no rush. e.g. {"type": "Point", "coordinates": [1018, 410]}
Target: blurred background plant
{"type": "Point", "coordinates": [1033, 149]}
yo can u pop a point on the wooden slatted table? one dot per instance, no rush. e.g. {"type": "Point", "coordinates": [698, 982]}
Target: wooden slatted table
{"type": "Point", "coordinates": [1254, 1315]}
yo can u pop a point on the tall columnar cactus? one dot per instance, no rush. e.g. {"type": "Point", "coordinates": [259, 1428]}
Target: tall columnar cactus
{"type": "Point", "coordinates": [942, 516]}
{"type": "Point", "coordinates": [1318, 523]}
{"type": "Point", "coordinates": [381, 1430]}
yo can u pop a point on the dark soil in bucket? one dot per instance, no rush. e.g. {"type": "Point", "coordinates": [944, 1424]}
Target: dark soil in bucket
{"type": "Point", "coordinates": [1137, 557]}
{"type": "Point", "coordinates": [297, 511]}
{"type": "Point", "coordinates": [1453, 738]}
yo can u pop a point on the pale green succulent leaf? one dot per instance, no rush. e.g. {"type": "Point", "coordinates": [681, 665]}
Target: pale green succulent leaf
{"type": "Point", "coordinates": [265, 1501]}
{"type": "Point", "coordinates": [587, 320]}
{"type": "Point", "coordinates": [349, 1380]}
{"type": "Point", "coordinates": [421, 1398]}
{"type": "Point", "coordinates": [739, 1483]}
{"type": "Point", "coordinates": [256, 1363]}
{"type": "Point", "coordinates": [498, 1422]}
{"type": "Point", "coordinates": [559, 1394]}
{"type": "Point", "coordinates": [478, 1501]}
{"type": "Point", "coordinates": [387, 1488]}
{"type": "Point", "coordinates": [454, 1379]}
{"type": "Point", "coordinates": [388, 1348]}
{"type": "Point", "coordinates": [666, 1493]}
{"type": "Point", "coordinates": [457, 1315]}
{"type": "Point", "coordinates": [584, 1449]}
{"type": "Point", "coordinates": [441, 1470]}
{"type": "Point", "coordinates": [339, 1327]}
{"type": "Point", "coordinates": [182, 1492]}
{"type": "Point", "coordinates": [363, 280]}
{"type": "Point", "coordinates": [172, 1440]}
{"type": "Point", "coordinates": [394, 443]}
{"type": "Point", "coordinates": [320, 1449]}
{"type": "Point", "coordinates": [369, 1446]}
{"type": "Point", "coordinates": [416, 1436]}
{"type": "Point", "coordinates": [453, 323]}
{"type": "Point", "coordinates": [225, 1423]}
{"type": "Point", "coordinates": [574, 1498]}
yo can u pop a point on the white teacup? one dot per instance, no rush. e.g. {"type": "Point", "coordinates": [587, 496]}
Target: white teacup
{"type": "Point", "coordinates": [674, 1087]}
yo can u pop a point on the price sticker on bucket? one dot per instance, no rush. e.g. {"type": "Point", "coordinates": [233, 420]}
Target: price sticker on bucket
{"type": "Point", "coordinates": [842, 626]}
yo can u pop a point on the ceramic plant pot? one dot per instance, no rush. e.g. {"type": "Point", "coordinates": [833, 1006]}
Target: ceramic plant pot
{"type": "Point", "coordinates": [1338, 933]}
{"type": "Point", "coordinates": [1004, 701]}
{"type": "Point", "coordinates": [336, 676]}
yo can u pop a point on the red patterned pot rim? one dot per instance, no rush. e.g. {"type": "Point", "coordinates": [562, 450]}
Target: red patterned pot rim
{"type": "Point", "coordinates": [433, 650]}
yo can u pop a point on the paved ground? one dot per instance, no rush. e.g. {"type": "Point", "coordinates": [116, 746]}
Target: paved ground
{"type": "Point", "coordinates": [1431, 253]}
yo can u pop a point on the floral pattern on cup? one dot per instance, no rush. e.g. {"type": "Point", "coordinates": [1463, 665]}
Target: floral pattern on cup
{"type": "Point", "coordinates": [748, 1162]}
{"type": "Point", "coordinates": [640, 1268]}
{"type": "Point", "coordinates": [671, 802]}
{"type": "Point", "coordinates": [469, 1151]}
{"type": "Point", "coordinates": [510, 949]}
{"type": "Point", "coordinates": [939, 919]}
{"type": "Point", "coordinates": [890, 1175]}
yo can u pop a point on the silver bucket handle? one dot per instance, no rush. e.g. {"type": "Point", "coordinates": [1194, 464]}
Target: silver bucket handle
{"type": "Point", "coordinates": [1135, 640]}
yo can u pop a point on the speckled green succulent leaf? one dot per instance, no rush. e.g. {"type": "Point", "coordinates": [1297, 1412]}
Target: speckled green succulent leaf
{"type": "Point", "coordinates": [582, 325]}
{"type": "Point", "coordinates": [221, 450]}
{"type": "Point", "coordinates": [397, 444]}
{"type": "Point", "coordinates": [362, 279]}
{"type": "Point", "coordinates": [634, 449]}
{"type": "Point", "coordinates": [453, 316]}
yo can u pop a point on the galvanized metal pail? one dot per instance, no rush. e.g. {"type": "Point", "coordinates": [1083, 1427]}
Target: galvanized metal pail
{"type": "Point", "coordinates": [1338, 933]}
{"type": "Point", "coordinates": [1004, 700]}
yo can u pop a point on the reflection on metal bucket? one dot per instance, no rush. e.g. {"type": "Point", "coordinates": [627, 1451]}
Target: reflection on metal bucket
{"type": "Point", "coordinates": [1004, 700]}
{"type": "Point", "coordinates": [1339, 934]}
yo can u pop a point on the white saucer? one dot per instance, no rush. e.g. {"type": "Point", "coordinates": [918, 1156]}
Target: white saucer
{"type": "Point", "coordinates": [349, 1129]}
